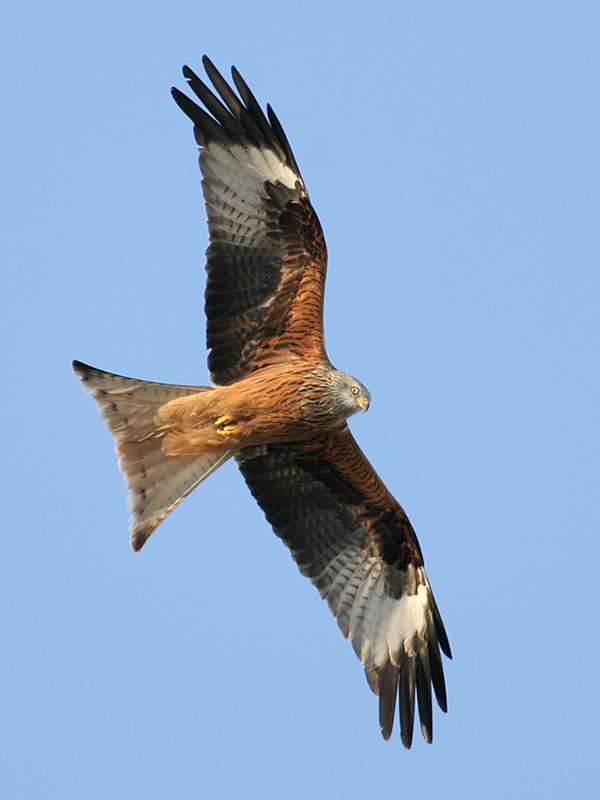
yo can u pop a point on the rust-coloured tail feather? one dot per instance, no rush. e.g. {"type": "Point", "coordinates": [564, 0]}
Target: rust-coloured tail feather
{"type": "Point", "coordinates": [157, 482]}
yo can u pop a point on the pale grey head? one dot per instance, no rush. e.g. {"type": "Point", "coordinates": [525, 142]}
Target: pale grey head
{"type": "Point", "coordinates": [351, 395]}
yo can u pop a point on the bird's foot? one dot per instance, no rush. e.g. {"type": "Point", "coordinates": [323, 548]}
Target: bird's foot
{"type": "Point", "coordinates": [225, 426]}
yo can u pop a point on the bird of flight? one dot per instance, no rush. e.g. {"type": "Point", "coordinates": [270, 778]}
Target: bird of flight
{"type": "Point", "coordinates": [280, 408]}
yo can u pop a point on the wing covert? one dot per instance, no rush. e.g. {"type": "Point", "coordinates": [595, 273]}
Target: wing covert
{"type": "Point", "coordinates": [354, 541]}
{"type": "Point", "coordinates": [267, 258]}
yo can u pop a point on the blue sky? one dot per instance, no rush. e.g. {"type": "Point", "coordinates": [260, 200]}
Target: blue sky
{"type": "Point", "coordinates": [451, 151]}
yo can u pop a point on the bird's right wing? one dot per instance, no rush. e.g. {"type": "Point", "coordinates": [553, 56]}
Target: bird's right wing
{"type": "Point", "coordinates": [354, 541]}
{"type": "Point", "coordinates": [267, 258]}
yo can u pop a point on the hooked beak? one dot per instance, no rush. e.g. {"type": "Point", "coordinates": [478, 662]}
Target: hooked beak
{"type": "Point", "coordinates": [364, 403]}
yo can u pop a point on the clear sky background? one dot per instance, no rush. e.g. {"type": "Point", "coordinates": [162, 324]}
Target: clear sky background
{"type": "Point", "coordinates": [451, 150]}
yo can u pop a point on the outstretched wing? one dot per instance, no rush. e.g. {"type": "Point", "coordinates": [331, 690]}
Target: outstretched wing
{"type": "Point", "coordinates": [354, 541]}
{"type": "Point", "coordinates": [267, 258]}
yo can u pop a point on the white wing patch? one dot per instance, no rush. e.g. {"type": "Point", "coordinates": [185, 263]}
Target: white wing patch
{"type": "Point", "coordinates": [265, 165]}
{"type": "Point", "coordinates": [247, 169]}
{"type": "Point", "coordinates": [384, 629]}
{"type": "Point", "coordinates": [234, 191]}
{"type": "Point", "coordinates": [402, 627]}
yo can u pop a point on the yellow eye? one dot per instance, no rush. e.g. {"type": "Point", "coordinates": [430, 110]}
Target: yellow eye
{"type": "Point", "coordinates": [355, 390]}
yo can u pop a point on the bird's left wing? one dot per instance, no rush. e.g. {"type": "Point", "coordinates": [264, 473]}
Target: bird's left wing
{"type": "Point", "coordinates": [354, 541]}
{"type": "Point", "coordinates": [267, 258]}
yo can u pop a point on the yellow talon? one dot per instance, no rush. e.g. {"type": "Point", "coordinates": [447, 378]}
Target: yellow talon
{"type": "Point", "coordinates": [225, 426]}
{"type": "Point", "coordinates": [227, 430]}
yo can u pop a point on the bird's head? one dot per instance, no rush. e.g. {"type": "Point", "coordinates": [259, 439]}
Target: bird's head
{"type": "Point", "coordinates": [351, 395]}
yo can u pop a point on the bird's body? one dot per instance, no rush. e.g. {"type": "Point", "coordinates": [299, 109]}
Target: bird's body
{"type": "Point", "coordinates": [278, 404]}
{"type": "Point", "coordinates": [280, 409]}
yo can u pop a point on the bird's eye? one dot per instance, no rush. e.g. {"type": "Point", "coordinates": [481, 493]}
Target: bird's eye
{"type": "Point", "coordinates": [355, 390]}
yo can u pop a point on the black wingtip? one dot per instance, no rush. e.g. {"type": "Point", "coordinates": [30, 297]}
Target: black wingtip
{"type": "Point", "coordinates": [406, 687]}
{"type": "Point", "coordinates": [185, 104]}
{"type": "Point", "coordinates": [440, 630]}
{"type": "Point", "coordinates": [388, 692]}
{"type": "Point", "coordinates": [424, 698]}
{"type": "Point", "coordinates": [443, 639]}
{"type": "Point", "coordinates": [283, 140]}
{"type": "Point", "coordinates": [406, 737]}
{"type": "Point", "coordinates": [238, 80]}
{"type": "Point", "coordinates": [427, 735]}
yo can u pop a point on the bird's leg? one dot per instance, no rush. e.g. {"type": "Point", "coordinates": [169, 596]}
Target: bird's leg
{"type": "Point", "coordinates": [226, 426]}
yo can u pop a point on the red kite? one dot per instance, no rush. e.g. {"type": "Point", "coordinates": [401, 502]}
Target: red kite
{"type": "Point", "coordinates": [280, 408]}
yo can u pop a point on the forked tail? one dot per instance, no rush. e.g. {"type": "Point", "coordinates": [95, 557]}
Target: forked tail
{"type": "Point", "coordinates": [157, 482]}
